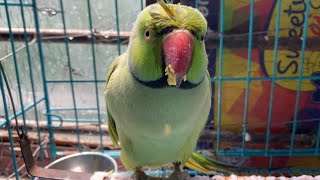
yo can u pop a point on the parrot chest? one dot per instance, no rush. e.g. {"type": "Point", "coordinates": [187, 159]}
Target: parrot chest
{"type": "Point", "coordinates": [162, 120]}
{"type": "Point", "coordinates": [158, 111]}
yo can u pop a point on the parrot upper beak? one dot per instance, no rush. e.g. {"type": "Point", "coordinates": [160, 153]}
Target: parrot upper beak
{"type": "Point", "coordinates": [177, 49]}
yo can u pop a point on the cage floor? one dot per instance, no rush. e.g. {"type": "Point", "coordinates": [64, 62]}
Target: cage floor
{"type": "Point", "coordinates": [232, 177]}
{"type": "Point", "coordinates": [126, 176]}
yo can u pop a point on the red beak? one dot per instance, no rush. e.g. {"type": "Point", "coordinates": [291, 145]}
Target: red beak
{"type": "Point", "coordinates": [178, 49]}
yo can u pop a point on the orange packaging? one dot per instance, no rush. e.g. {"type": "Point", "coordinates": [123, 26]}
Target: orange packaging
{"type": "Point", "coordinates": [288, 62]}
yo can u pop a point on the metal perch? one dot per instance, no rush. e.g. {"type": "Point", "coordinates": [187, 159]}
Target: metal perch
{"type": "Point", "coordinates": [232, 41]}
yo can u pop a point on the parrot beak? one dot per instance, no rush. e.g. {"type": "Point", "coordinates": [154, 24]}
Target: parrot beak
{"type": "Point", "coordinates": [177, 51]}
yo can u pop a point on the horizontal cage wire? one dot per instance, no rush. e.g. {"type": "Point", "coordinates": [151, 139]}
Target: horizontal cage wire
{"type": "Point", "coordinates": [264, 65]}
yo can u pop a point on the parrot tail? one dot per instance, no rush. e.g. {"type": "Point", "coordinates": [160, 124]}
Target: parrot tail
{"type": "Point", "coordinates": [209, 166]}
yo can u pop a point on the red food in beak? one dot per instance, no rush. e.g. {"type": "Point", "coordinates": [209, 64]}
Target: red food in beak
{"type": "Point", "coordinates": [178, 48]}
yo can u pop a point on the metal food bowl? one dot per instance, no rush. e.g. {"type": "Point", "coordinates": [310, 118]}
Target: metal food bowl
{"type": "Point", "coordinates": [88, 162]}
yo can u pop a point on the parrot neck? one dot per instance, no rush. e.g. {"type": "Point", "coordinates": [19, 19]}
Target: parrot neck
{"type": "Point", "coordinates": [162, 83]}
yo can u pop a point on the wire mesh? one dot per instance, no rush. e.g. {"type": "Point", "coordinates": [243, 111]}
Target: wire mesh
{"type": "Point", "coordinates": [57, 63]}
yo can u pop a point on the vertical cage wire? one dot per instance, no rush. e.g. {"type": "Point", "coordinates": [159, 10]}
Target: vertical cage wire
{"type": "Point", "coordinates": [31, 81]}
{"type": "Point", "coordinates": [15, 65]}
{"type": "Point", "coordinates": [7, 121]}
{"type": "Point", "coordinates": [220, 74]}
{"type": "Point", "coordinates": [318, 141]}
{"type": "Point", "coordinates": [95, 71]}
{"type": "Point", "coordinates": [117, 26]}
{"type": "Point", "coordinates": [305, 31]}
{"type": "Point", "coordinates": [248, 79]}
{"type": "Point", "coordinates": [44, 79]}
{"type": "Point", "coordinates": [70, 74]}
{"type": "Point", "coordinates": [271, 101]}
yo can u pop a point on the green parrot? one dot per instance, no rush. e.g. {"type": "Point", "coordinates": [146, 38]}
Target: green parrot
{"type": "Point", "coordinates": [158, 93]}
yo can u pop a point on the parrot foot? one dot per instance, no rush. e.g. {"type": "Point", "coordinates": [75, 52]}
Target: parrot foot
{"type": "Point", "coordinates": [140, 175]}
{"type": "Point", "coordinates": [178, 174]}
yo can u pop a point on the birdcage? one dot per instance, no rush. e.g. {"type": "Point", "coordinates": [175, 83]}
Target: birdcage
{"type": "Point", "coordinates": [263, 60]}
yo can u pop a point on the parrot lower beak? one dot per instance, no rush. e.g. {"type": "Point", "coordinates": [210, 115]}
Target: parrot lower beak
{"type": "Point", "coordinates": [177, 49]}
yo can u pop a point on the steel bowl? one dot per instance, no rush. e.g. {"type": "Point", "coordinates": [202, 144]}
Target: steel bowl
{"type": "Point", "coordinates": [88, 162]}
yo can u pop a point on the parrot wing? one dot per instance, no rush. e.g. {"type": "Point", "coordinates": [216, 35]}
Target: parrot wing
{"type": "Point", "coordinates": [111, 123]}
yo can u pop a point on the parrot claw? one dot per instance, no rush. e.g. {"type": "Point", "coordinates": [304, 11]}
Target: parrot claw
{"type": "Point", "coordinates": [178, 174]}
{"type": "Point", "coordinates": [140, 175]}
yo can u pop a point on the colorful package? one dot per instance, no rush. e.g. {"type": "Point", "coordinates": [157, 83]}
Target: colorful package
{"type": "Point", "coordinates": [288, 63]}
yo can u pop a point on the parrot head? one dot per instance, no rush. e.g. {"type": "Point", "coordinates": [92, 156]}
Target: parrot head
{"type": "Point", "coordinates": [167, 45]}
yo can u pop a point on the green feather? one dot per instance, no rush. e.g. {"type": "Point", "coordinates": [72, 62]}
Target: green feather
{"type": "Point", "coordinates": [167, 8]}
{"type": "Point", "coordinates": [212, 165]}
{"type": "Point", "coordinates": [178, 16]}
{"type": "Point", "coordinates": [111, 123]}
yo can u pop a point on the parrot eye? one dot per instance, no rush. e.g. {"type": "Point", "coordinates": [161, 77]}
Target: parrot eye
{"type": "Point", "coordinates": [147, 34]}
